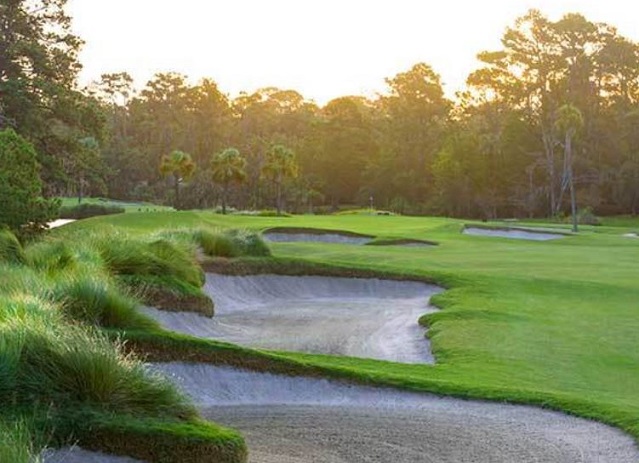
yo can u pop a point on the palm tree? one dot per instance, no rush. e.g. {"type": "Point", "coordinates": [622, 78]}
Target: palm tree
{"type": "Point", "coordinates": [280, 164]}
{"type": "Point", "coordinates": [181, 166]}
{"type": "Point", "coordinates": [228, 167]}
{"type": "Point", "coordinates": [569, 121]}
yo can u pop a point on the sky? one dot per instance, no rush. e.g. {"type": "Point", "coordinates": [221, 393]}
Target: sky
{"type": "Point", "coordinates": [321, 48]}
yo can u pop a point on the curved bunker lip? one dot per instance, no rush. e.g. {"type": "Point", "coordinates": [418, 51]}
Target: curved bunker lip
{"type": "Point", "coordinates": [358, 317]}
{"type": "Point", "coordinates": [319, 235]}
{"type": "Point", "coordinates": [286, 419]}
{"type": "Point", "coordinates": [408, 242]}
{"type": "Point", "coordinates": [79, 455]}
{"type": "Point", "coordinates": [518, 233]}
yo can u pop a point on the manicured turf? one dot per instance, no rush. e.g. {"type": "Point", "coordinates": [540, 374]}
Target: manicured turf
{"type": "Point", "coordinates": [129, 206]}
{"type": "Point", "coordinates": [553, 323]}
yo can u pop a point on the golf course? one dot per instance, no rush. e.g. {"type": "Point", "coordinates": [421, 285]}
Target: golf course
{"type": "Point", "coordinates": [319, 232]}
{"type": "Point", "coordinates": [552, 324]}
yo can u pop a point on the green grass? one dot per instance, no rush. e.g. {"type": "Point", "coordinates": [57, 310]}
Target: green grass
{"type": "Point", "coordinates": [17, 443]}
{"type": "Point", "coordinates": [58, 368]}
{"type": "Point", "coordinates": [550, 323]}
{"type": "Point", "coordinates": [129, 206]}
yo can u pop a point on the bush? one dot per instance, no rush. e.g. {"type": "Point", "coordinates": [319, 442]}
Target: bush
{"type": "Point", "coordinates": [84, 211]}
{"type": "Point", "coordinates": [24, 211]}
{"type": "Point", "coordinates": [586, 216]}
{"type": "Point", "coordinates": [10, 249]}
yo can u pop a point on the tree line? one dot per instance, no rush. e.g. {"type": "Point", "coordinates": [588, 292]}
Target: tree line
{"type": "Point", "coordinates": [547, 123]}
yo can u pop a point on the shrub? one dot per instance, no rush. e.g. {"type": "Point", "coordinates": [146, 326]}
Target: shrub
{"type": "Point", "coordinates": [586, 216]}
{"type": "Point", "coordinates": [24, 211]}
{"type": "Point", "coordinates": [84, 211]}
{"type": "Point", "coordinates": [10, 249]}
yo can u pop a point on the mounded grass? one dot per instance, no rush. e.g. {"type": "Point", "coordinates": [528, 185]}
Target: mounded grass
{"type": "Point", "coordinates": [58, 367]}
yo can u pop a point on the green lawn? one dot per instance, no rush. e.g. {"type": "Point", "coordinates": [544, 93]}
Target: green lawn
{"type": "Point", "coordinates": [129, 206]}
{"type": "Point", "coordinates": [553, 323]}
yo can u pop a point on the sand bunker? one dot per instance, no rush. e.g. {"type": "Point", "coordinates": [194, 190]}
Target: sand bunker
{"type": "Point", "coordinates": [407, 242]}
{"type": "Point", "coordinates": [60, 223]}
{"type": "Point", "coordinates": [301, 420]}
{"type": "Point", "coordinates": [514, 233]}
{"type": "Point", "coordinates": [368, 318]}
{"type": "Point", "coordinates": [631, 235]}
{"type": "Point", "coordinates": [78, 455]}
{"type": "Point", "coordinates": [291, 235]}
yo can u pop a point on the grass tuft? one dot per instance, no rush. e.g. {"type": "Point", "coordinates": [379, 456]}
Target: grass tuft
{"type": "Point", "coordinates": [93, 299]}
{"type": "Point", "coordinates": [10, 248]}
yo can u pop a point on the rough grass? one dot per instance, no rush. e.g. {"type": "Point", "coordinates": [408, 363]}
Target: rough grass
{"type": "Point", "coordinates": [10, 248]}
{"type": "Point", "coordinates": [55, 361]}
{"type": "Point", "coordinates": [17, 443]}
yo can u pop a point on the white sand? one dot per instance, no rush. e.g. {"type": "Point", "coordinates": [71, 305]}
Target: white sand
{"type": "Point", "coordinates": [517, 234]}
{"type": "Point", "coordinates": [295, 420]}
{"type": "Point", "coordinates": [60, 223]}
{"type": "Point", "coordinates": [281, 237]}
{"type": "Point", "coordinates": [356, 317]}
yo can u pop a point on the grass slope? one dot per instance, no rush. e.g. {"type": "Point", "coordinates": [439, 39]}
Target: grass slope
{"type": "Point", "coordinates": [552, 323]}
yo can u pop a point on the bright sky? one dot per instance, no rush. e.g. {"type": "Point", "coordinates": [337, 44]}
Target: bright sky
{"type": "Point", "coordinates": [321, 48]}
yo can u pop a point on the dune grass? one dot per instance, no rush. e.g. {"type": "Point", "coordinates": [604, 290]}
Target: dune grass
{"type": "Point", "coordinates": [17, 442]}
{"type": "Point", "coordinates": [56, 363]}
{"type": "Point", "coordinates": [550, 323]}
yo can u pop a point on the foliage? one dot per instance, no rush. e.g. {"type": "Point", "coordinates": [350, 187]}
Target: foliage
{"type": "Point", "coordinates": [280, 164]}
{"type": "Point", "coordinates": [23, 210]}
{"type": "Point", "coordinates": [84, 211]}
{"type": "Point", "coordinates": [179, 165]}
{"type": "Point", "coordinates": [228, 167]}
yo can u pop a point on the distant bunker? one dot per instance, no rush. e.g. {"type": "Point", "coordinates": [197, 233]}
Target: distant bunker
{"type": "Point", "coordinates": [358, 317]}
{"type": "Point", "coordinates": [317, 235]}
{"type": "Point", "coordinates": [408, 242]}
{"type": "Point", "coordinates": [516, 233]}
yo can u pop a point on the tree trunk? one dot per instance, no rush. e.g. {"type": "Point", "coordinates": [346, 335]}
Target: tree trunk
{"type": "Point", "coordinates": [278, 186]}
{"type": "Point", "coordinates": [224, 194]}
{"type": "Point", "coordinates": [573, 200]}
{"type": "Point", "coordinates": [549, 150]}
{"type": "Point", "coordinates": [176, 177]}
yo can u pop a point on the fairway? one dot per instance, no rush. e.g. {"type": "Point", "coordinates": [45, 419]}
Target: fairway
{"type": "Point", "coordinates": [549, 323]}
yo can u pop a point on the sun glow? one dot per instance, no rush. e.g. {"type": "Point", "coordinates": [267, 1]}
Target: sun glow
{"type": "Point", "coordinates": [322, 49]}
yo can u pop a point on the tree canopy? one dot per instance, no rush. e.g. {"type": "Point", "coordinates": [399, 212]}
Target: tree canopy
{"type": "Point", "coordinates": [497, 149]}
